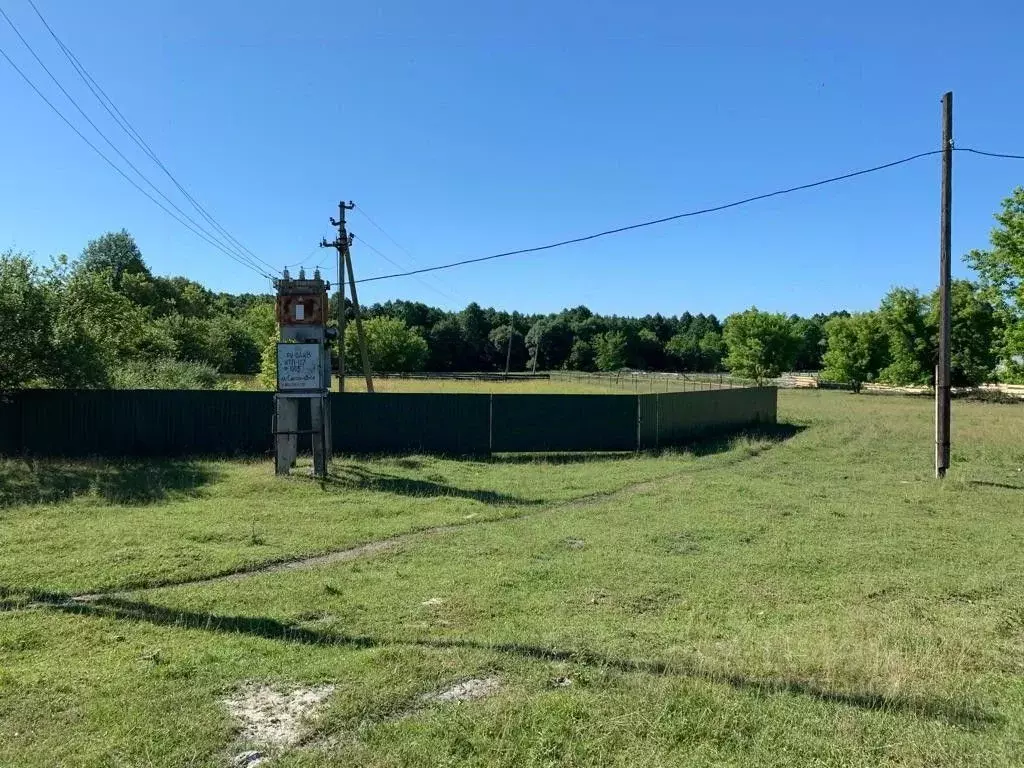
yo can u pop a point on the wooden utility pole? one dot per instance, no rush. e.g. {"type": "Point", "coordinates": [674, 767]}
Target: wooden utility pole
{"type": "Point", "coordinates": [341, 244]}
{"type": "Point", "coordinates": [942, 388]}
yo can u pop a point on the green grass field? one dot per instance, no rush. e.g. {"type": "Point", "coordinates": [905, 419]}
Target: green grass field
{"type": "Point", "coordinates": [806, 597]}
{"type": "Point", "coordinates": [562, 382]}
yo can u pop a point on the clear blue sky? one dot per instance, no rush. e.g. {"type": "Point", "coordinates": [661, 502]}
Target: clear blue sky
{"type": "Point", "coordinates": [466, 128]}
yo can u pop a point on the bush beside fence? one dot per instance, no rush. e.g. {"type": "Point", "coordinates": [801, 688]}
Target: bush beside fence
{"type": "Point", "coordinates": [152, 423]}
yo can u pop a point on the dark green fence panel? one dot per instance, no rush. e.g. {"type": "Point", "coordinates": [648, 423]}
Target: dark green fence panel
{"type": "Point", "coordinates": [683, 416]}
{"type": "Point", "coordinates": [648, 424]}
{"type": "Point", "coordinates": [391, 422]}
{"type": "Point", "coordinates": [144, 422]}
{"type": "Point", "coordinates": [177, 423]}
{"type": "Point", "coordinates": [563, 423]}
{"type": "Point", "coordinates": [10, 425]}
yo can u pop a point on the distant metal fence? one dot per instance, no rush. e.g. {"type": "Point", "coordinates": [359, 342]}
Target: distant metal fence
{"type": "Point", "coordinates": [215, 422]}
{"type": "Point", "coordinates": [652, 382]}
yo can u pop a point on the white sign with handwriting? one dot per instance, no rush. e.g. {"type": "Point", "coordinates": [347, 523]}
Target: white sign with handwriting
{"type": "Point", "coordinates": [298, 367]}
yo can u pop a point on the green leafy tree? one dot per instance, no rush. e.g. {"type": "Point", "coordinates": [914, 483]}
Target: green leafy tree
{"type": "Point", "coordinates": [684, 351]}
{"type": "Point", "coordinates": [268, 365]}
{"type": "Point", "coordinates": [760, 345]}
{"type": "Point", "coordinates": [856, 349]}
{"type": "Point", "coordinates": [610, 351]}
{"type": "Point", "coordinates": [903, 316]}
{"type": "Point", "coordinates": [390, 345]}
{"type": "Point", "coordinates": [25, 322]}
{"type": "Point", "coordinates": [810, 332]}
{"type": "Point", "coordinates": [232, 345]}
{"type": "Point", "coordinates": [1001, 276]}
{"type": "Point", "coordinates": [475, 329]}
{"type": "Point", "coordinates": [114, 254]}
{"type": "Point", "coordinates": [582, 357]}
{"type": "Point", "coordinates": [115, 326]}
{"type": "Point", "coordinates": [975, 333]}
{"type": "Point", "coordinates": [712, 351]}
{"type": "Point", "coordinates": [498, 338]}
{"type": "Point", "coordinates": [550, 341]}
{"type": "Point", "coordinates": [447, 346]}
{"type": "Point", "coordinates": [648, 353]}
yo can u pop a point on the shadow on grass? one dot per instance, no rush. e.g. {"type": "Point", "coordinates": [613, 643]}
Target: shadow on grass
{"type": "Point", "coordinates": [699, 445]}
{"type": "Point", "coordinates": [987, 484]}
{"type": "Point", "coordinates": [361, 478]}
{"type": "Point", "coordinates": [50, 481]}
{"type": "Point", "coordinates": [720, 443]}
{"type": "Point", "coordinates": [117, 608]}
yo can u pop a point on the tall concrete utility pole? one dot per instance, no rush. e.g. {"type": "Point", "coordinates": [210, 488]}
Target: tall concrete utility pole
{"type": "Point", "coordinates": [942, 380]}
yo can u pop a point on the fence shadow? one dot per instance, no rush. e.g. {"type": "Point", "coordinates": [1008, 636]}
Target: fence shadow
{"type": "Point", "coordinates": [52, 481]}
{"type": "Point", "coordinates": [932, 707]}
{"type": "Point", "coordinates": [713, 443]}
{"type": "Point", "coordinates": [361, 478]}
{"type": "Point", "coordinates": [705, 444]}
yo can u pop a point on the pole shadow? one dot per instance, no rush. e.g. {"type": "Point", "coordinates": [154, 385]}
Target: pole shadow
{"type": "Point", "coordinates": [351, 476]}
{"type": "Point", "coordinates": [935, 708]}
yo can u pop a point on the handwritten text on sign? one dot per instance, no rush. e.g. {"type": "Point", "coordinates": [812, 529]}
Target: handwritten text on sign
{"type": "Point", "coordinates": [298, 367]}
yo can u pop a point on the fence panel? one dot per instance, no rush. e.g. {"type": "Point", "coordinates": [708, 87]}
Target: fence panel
{"type": "Point", "coordinates": [395, 422]}
{"type": "Point", "coordinates": [10, 424]}
{"type": "Point", "coordinates": [684, 416]}
{"type": "Point", "coordinates": [144, 422]}
{"type": "Point", "coordinates": [564, 423]}
{"type": "Point", "coordinates": [648, 425]}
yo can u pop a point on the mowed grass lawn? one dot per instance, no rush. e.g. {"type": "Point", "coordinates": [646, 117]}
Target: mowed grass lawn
{"type": "Point", "coordinates": [811, 597]}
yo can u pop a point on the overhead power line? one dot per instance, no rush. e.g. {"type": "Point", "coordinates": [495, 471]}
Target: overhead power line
{"type": "Point", "coordinates": [198, 232]}
{"type": "Point", "coordinates": [403, 249]}
{"type": "Point", "coordinates": [391, 261]}
{"type": "Point", "coordinates": [123, 123]}
{"type": "Point", "coordinates": [988, 154]}
{"type": "Point", "coordinates": [195, 226]}
{"type": "Point", "coordinates": [663, 220]}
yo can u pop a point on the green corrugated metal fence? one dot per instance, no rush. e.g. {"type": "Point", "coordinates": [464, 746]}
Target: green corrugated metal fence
{"type": "Point", "coordinates": [563, 423]}
{"type": "Point", "coordinates": [143, 422]}
{"type": "Point", "coordinates": [684, 416]}
{"type": "Point", "coordinates": [176, 423]}
{"type": "Point", "coordinates": [390, 422]}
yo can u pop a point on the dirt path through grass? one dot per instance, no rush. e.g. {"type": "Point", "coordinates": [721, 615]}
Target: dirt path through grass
{"type": "Point", "coordinates": [371, 548]}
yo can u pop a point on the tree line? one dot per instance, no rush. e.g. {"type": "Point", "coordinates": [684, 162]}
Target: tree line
{"type": "Point", "coordinates": [104, 320]}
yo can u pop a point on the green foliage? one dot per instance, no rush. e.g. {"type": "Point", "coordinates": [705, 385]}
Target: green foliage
{"type": "Point", "coordinates": [390, 345]}
{"type": "Point", "coordinates": [499, 344]}
{"type": "Point", "coordinates": [975, 331]}
{"type": "Point", "coordinates": [684, 351]}
{"type": "Point", "coordinates": [911, 353]}
{"type": "Point", "coordinates": [582, 357]}
{"type": "Point", "coordinates": [549, 342]}
{"type": "Point", "coordinates": [164, 374]}
{"type": "Point", "coordinates": [810, 333]}
{"type": "Point", "coordinates": [1001, 278]}
{"type": "Point", "coordinates": [761, 345]}
{"type": "Point", "coordinates": [115, 255]}
{"type": "Point", "coordinates": [268, 365]}
{"type": "Point", "coordinates": [856, 349]}
{"type": "Point", "coordinates": [610, 351]}
{"type": "Point", "coordinates": [712, 351]}
{"type": "Point", "coordinates": [25, 322]}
